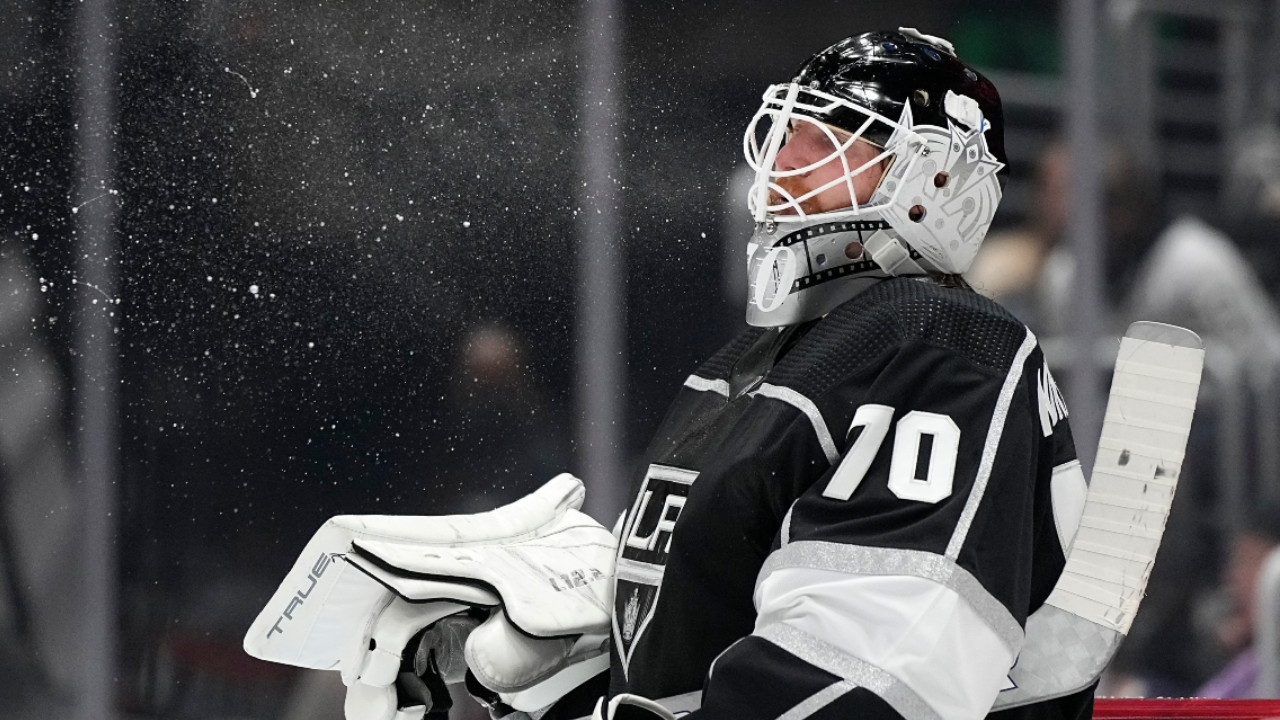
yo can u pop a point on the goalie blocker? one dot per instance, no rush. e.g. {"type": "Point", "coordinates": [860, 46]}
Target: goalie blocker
{"type": "Point", "coordinates": [525, 588]}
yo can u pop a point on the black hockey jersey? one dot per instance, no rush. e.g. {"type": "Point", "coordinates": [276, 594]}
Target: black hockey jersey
{"type": "Point", "coordinates": [861, 530]}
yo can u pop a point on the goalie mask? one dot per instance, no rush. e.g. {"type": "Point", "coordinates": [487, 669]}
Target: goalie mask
{"type": "Point", "coordinates": [879, 159]}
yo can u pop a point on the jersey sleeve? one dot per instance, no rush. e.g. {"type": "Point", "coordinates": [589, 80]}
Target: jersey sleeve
{"type": "Point", "coordinates": [901, 579]}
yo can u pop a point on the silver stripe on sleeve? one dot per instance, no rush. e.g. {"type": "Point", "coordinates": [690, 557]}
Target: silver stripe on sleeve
{"type": "Point", "coordinates": [863, 674]}
{"type": "Point", "coordinates": [862, 560]}
{"type": "Point", "coordinates": [806, 406]}
{"type": "Point", "coordinates": [701, 384]}
{"type": "Point", "coordinates": [818, 700]}
{"type": "Point", "coordinates": [992, 445]}
{"type": "Point", "coordinates": [785, 532]}
{"type": "Point", "coordinates": [679, 704]}
{"type": "Point", "coordinates": [641, 572]}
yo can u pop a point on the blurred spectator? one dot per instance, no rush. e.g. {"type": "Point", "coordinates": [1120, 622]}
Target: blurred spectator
{"type": "Point", "coordinates": [38, 507]}
{"type": "Point", "coordinates": [1010, 264]}
{"type": "Point", "coordinates": [1251, 202]}
{"type": "Point", "coordinates": [500, 442]}
{"type": "Point", "coordinates": [1197, 277]}
{"type": "Point", "coordinates": [1031, 272]}
{"type": "Point", "coordinates": [1185, 272]}
{"type": "Point", "coordinates": [1234, 632]}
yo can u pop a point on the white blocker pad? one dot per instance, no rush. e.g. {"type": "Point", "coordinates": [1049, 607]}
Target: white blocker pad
{"type": "Point", "coordinates": [1072, 638]}
{"type": "Point", "coordinates": [553, 576]}
{"type": "Point", "coordinates": [531, 673]}
{"type": "Point", "coordinates": [325, 605]}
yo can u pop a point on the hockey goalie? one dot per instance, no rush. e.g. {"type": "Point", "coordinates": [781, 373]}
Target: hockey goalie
{"type": "Point", "coordinates": [867, 505]}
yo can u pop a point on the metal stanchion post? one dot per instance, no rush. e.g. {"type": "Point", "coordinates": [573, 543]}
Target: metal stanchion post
{"type": "Point", "coordinates": [96, 381]}
{"type": "Point", "coordinates": [601, 320]}
{"type": "Point", "coordinates": [1085, 229]}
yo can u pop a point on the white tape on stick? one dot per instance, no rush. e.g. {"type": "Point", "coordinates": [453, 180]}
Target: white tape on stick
{"type": "Point", "coordinates": [1144, 438]}
{"type": "Point", "coordinates": [1072, 638]}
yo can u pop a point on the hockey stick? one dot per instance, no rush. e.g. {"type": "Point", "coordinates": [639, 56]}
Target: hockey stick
{"type": "Point", "coordinates": [1071, 639]}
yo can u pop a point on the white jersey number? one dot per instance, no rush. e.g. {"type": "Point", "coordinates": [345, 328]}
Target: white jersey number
{"type": "Point", "coordinates": [911, 476]}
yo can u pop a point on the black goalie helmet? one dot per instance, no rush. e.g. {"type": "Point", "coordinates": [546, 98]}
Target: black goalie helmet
{"type": "Point", "coordinates": [904, 144]}
{"type": "Point", "coordinates": [883, 71]}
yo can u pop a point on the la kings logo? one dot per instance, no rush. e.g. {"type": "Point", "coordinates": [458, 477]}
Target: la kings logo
{"type": "Point", "coordinates": [643, 553]}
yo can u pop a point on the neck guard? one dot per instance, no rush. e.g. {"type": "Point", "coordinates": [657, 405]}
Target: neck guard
{"type": "Point", "coordinates": [800, 271]}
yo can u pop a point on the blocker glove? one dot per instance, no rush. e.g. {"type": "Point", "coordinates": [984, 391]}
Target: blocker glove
{"type": "Point", "coordinates": [523, 592]}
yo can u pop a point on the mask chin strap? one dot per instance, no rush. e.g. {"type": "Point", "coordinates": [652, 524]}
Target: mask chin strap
{"type": "Point", "coordinates": [892, 255]}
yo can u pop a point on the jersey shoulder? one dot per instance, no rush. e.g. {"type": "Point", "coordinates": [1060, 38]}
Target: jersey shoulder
{"type": "Point", "coordinates": [720, 365]}
{"type": "Point", "coordinates": [887, 318]}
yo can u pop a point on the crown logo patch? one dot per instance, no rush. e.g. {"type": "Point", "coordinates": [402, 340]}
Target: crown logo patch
{"type": "Point", "coordinates": [631, 614]}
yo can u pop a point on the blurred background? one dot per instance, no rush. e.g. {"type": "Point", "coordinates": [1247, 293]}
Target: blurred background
{"type": "Point", "coordinates": [263, 262]}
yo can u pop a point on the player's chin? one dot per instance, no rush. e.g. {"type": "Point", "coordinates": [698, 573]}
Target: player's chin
{"type": "Point", "coordinates": [785, 205]}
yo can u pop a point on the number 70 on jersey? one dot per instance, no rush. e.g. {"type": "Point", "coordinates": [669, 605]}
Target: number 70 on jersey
{"type": "Point", "coordinates": [923, 465]}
